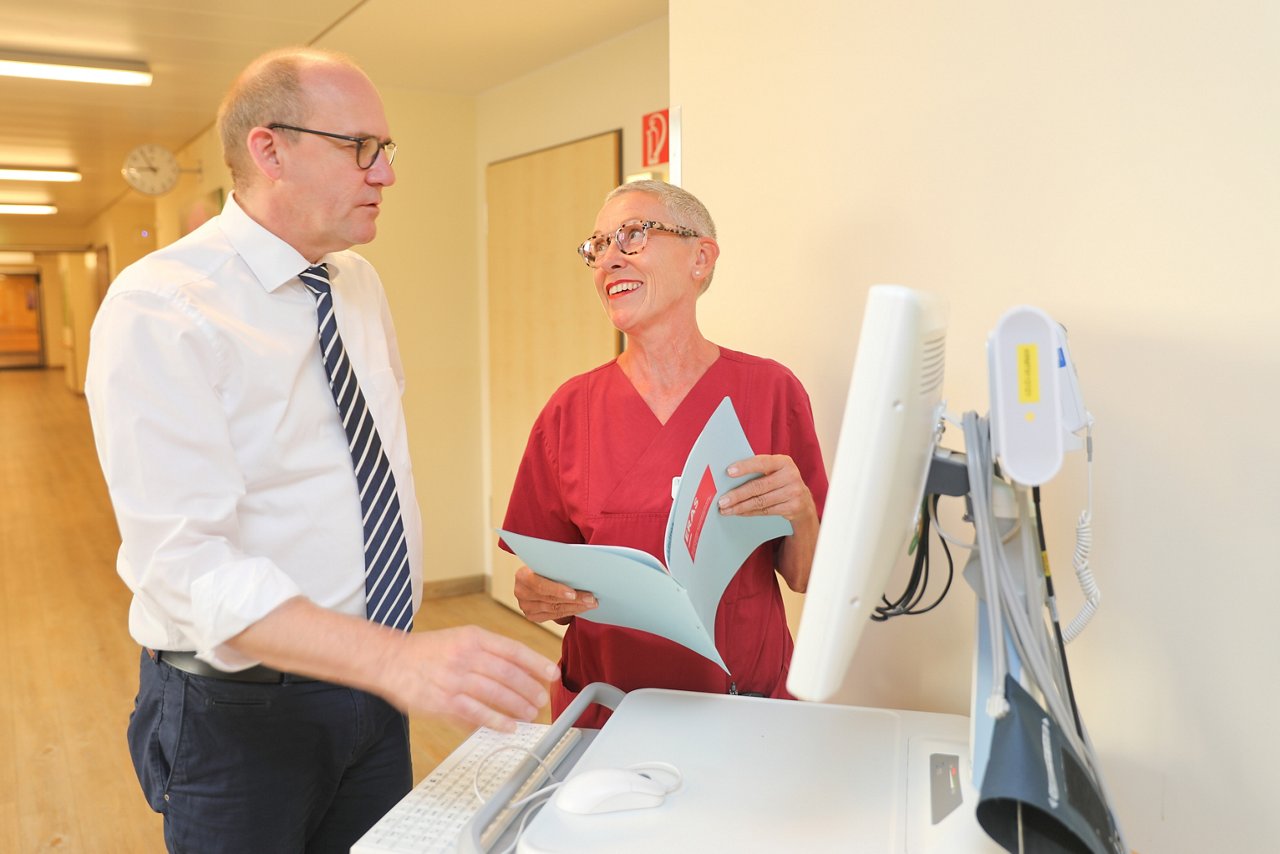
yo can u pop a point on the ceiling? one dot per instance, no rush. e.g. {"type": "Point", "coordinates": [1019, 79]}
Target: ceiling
{"type": "Point", "coordinates": [196, 47]}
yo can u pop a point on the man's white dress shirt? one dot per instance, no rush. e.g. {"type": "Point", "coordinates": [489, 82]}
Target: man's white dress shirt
{"type": "Point", "coordinates": [217, 432]}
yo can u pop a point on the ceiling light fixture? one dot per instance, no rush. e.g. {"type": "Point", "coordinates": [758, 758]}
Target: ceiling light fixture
{"type": "Point", "coordinates": [26, 173]}
{"type": "Point", "coordinates": [122, 72]}
{"type": "Point", "coordinates": [17, 257]}
{"type": "Point", "coordinates": [28, 209]}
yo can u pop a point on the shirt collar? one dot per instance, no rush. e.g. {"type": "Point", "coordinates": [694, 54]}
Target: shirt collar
{"type": "Point", "coordinates": [273, 261]}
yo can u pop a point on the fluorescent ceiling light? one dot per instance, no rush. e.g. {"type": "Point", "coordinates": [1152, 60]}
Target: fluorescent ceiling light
{"type": "Point", "coordinates": [74, 68]}
{"type": "Point", "coordinates": [27, 209]}
{"type": "Point", "coordinates": [17, 257]}
{"type": "Point", "coordinates": [27, 174]}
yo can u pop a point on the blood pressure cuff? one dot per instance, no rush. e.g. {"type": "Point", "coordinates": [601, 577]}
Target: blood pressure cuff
{"type": "Point", "coordinates": [1037, 796]}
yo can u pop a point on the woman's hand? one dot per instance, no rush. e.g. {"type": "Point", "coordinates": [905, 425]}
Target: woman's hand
{"type": "Point", "coordinates": [779, 491]}
{"type": "Point", "coordinates": [542, 599]}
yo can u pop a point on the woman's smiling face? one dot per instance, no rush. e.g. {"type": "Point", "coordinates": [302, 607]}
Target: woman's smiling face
{"type": "Point", "coordinates": [638, 289]}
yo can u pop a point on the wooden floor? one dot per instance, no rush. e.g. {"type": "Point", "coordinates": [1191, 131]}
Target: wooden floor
{"type": "Point", "coordinates": [68, 671]}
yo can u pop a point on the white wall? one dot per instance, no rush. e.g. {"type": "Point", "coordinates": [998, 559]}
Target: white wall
{"type": "Point", "coordinates": [204, 181]}
{"type": "Point", "coordinates": [1113, 164]}
{"type": "Point", "coordinates": [77, 275]}
{"type": "Point", "coordinates": [127, 230]}
{"type": "Point", "coordinates": [53, 308]}
{"type": "Point", "coordinates": [603, 88]}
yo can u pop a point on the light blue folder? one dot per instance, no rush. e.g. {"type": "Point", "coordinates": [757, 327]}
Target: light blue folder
{"type": "Point", "coordinates": [703, 550]}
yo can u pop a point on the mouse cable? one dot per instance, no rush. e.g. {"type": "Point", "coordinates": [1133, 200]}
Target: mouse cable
{"type": "Point", "coordinates": [475, 782]}
{"type": "Point", "coordinates": [524, 819]}
{"type": "Point", "coordinates": [541, 792]}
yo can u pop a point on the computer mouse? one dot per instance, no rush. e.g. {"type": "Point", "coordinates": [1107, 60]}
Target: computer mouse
{"type": "Point", "coordinates": [610, 790]}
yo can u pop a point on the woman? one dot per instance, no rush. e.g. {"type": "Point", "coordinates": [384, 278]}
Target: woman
{"type": "Point", "coordinates": [603, 452]}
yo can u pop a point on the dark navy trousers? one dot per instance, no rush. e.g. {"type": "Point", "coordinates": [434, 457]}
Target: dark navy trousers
{"type": "Point", "coordinates": [275, 768]}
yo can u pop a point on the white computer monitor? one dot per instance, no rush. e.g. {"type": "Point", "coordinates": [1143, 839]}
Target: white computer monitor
{"type": "Point", "coordinates": [887, 437]}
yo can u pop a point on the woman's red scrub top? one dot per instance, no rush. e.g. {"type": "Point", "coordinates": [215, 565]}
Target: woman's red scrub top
{"type": "Point", "coordinates": [598, 469]}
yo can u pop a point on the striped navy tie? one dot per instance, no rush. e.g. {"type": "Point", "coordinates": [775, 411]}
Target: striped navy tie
{"type": "Point", "coordinates": [387, 586]}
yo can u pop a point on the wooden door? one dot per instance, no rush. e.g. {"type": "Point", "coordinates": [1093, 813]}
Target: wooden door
{"type": "Point", "coordinates": [21, 343]}
{"type": "Point", "coordinates": [545, 322]}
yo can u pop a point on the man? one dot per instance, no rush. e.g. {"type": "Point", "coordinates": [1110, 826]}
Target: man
{"type": "Point", "coordinates": [244, 386]}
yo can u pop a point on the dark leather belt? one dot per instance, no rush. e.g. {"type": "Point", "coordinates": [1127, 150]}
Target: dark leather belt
{"type": "Point", "coordinates": [187, 662]}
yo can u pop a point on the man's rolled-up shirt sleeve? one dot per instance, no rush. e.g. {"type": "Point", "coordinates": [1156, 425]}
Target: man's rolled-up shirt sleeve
{"type": "Point", "coordinates": [154, 384]}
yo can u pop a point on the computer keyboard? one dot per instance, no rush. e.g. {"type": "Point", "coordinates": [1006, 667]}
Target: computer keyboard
{"type": "Point", "coordinates": [430, 818]}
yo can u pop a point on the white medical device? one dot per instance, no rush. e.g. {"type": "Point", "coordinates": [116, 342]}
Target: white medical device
{"type": "Point", "coordinates": [1035, 395]}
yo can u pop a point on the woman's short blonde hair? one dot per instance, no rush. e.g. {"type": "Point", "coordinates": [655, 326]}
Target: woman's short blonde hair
{"type": "Point", "coordinates": [682, 207]}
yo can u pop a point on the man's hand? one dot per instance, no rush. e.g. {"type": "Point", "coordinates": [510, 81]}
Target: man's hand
{"type": "Point", "coordinates": [542, 599]}
{"type": "Point", "coordinates": [469, 675]}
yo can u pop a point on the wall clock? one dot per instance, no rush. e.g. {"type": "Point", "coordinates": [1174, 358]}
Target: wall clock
{"type": "Point", "coordinates": [151, 169]}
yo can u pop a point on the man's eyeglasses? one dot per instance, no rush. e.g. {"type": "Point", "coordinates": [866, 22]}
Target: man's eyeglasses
{"type": "Point", "coordinates": [631, 237]}
{"type": "Point", "coordinates": [367, 147]}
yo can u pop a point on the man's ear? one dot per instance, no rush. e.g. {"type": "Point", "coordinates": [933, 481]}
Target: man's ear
{"type": "Point", "coordinates": [265, 153]}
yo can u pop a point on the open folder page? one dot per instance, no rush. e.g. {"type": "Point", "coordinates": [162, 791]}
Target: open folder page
{"type": "Point", "coordinates": [703, 550]}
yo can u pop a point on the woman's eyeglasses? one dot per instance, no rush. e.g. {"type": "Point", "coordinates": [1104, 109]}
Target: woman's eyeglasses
{"type": "Point", "coordinates": [631, 238]}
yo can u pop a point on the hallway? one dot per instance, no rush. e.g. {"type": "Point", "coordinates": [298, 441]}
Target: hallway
{"type": "Point", "coordinates": [69, 666]}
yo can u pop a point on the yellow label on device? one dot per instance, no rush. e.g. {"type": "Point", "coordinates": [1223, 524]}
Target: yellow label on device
{"type": "Point", "coordinates": [1028, 373]}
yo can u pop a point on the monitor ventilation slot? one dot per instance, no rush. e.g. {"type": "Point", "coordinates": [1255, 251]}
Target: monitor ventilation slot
{"type": "Point", "coordinates": [933, 363]}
